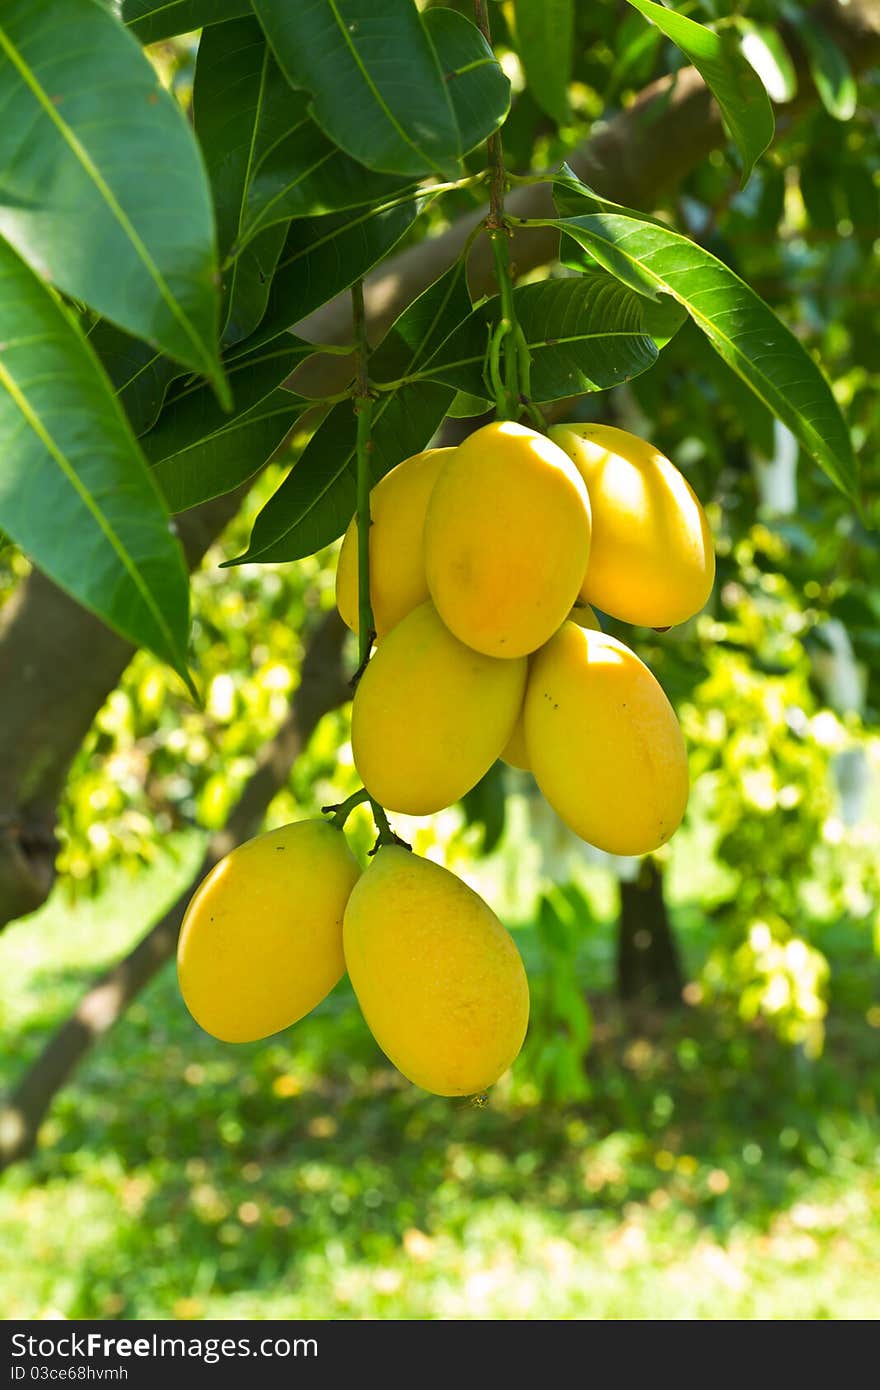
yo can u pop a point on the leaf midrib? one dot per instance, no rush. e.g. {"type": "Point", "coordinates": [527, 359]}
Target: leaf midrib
{"type": "Point", "coordinates": [383, 106]}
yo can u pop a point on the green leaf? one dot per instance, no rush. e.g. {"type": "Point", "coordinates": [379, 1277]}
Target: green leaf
{"type": "Point", "coordinates": [102, 189]}
{"type": "Point", "coordinates": [239, 101]}
{"type": "Point", "coordinates": [317, 499]}
{"type": "Point", "coordinates": [75, 492]}
{"type": "Point", "coordinates": [733, 82]}
{"type": "Point", "coordinates": [324, 255]}
{"type": "Point", "coordinates": [829, 68]}
{"type": "Point", "coordinates": [739, 325]}
{"type": "Point", "coordinates": [152, 20]}
{"type": "Point", "coordinates": [220, 459]}
{"type": "Point", "coordinates": [545, 43]}
{"type": "Point", "coordinates": [584, 334]}
{"type": "Point", "coordinates": [376, 84]}
{"type": "Point", "coordinates": [763, 47]}
{"type": "Point", "coordinates": [199, 452]}
{"type": "Point", "coordinates": [140, 375]}
{"type": "Point", "coordinates": [477, 83]}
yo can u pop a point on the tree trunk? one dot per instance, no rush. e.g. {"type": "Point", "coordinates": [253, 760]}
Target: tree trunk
{"type": "Point", "coordinates": [648, 965]}
{"type": "Point", "coordinates": [322, 688]}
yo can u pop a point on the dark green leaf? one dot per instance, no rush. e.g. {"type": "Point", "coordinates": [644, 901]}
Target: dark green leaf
{"type": "Point", "coordinates": [584, 334]}
{"type": "Point", "coordinates": [479, 89]}
{"type": "Point", "coordinates": [324, 255]}
{"type": "Point", "coordinates": [423, 326]}
{"type": "Point", "coordinates": [75, 492]}
{"type": "Point", "coordinates": [140, 375]}
{"type": "Point", "coordinates": [376, 84]}
{"type": "Point", "coordinates": [316, 501]}
{"type": "Point", "coordinates": [152, 20]}
{"type": "Point", "coordinates": [102, 189]}
{"type": "Point", "coordinates": [733, 82]}
{"type": "Point", "coordinates": [739, 325]}
{"type": "Point", "coordinates": [228, 455]}
{"type": "Point", "coordinates": [306, 175]}
{"type": "Point", "coordinates": [198, 451]}
{"type": "Point", "coordinates": [236, 107]}
{"type": "Point", "coordinates": [764, 48]}
{"type": "Point", "coordinates": [829, 68]}
{"type": "Point", "coordinates": [545, 42]}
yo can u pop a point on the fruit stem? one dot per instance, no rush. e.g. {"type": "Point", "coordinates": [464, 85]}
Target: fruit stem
{"type": "Point", "coordinates": [509, 361]}
{"type": "Point", "coordinates": [386, 834]}
{"type": "Point", "coordinates": [363, 406]}
{"type": "Point", "coordinates": [341, 813]}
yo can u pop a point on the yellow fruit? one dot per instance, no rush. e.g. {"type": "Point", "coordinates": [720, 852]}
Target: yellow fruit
{"type": "Point", "coordinates": [651, 560]}
{"type": "Point", "coordinates": [605, 745]}
{"type": "Point", "coordinates": [397, 560]}
{"type": "Point", "coordinates": [439, 979]}
{"type": "Point", "coordinates": [261, 941]}
{"type": "Point", "coordinates": [430, 716]}
{"type": "Point", "coordinates": [507, 537]}
{"type": "Point", "coordinates": [516, 754]}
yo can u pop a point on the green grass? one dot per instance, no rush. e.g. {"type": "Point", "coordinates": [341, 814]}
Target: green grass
{"type": "Point", "coordinates": [713, 1173]}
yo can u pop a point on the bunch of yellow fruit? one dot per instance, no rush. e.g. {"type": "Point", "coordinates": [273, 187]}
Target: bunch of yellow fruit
{"type": "Point", "coordinates": [276, 923]}
{"type": "Point", "coordinates": [484, 561]}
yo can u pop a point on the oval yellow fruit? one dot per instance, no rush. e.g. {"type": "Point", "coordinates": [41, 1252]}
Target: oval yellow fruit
{"type": "Point", "coordinates": [516, 754]}
{"type": "Point", "coordinates": [507, 536]}
{"type": "Point", "coordinates": [398, 504]}
{"type": "Point", "coordinates": [430, 715]}
{"type": "Point", "coordinates": [261, 941]}
{"type": "Point", "coordinates": [604, 743]}
{"type": "Point", "coordinates": [438, 978]}
{"type": "Point", "coordinates": [651, 559]}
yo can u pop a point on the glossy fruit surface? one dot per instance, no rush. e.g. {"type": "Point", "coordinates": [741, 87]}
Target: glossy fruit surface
{"type": "Point", "coordinates": [430, 715]}
{"type": "Point", "coordinates": [651, 559]}
{"type": "Point", "coordinates": [261, 941]}
{"type": "Point", "coordinates": [516, 754]}
{"type": "Point", "coordinates": [438, 977]}
{"type": "Point", "coordinates": [604, 743]}
{"type": "Point", "coordinates": [507, 536]}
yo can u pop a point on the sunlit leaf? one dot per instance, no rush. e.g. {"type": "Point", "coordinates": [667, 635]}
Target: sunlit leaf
{"type": "Point", "coordinates": [733, 82]}
{"type": "Point", "coordinates": [102, 188]}
{"type": "Point", "coordinates": [75, 491]}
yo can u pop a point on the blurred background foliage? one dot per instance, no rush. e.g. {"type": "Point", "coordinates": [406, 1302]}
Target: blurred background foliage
{"type": "Point", "coordinates": [712, 1154]}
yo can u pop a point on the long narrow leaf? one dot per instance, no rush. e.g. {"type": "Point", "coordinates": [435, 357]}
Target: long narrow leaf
{"type": "Point", "coordinates": [102, 189]}
{"type": "Point", "coordinates": [316, 500]}
{"type": "Point", "coordinates": [729, 76]}
{"type": "Point", "coordinates": [738, 324]}
{"type": "Point", "coordinates": [376, 85]}
{"type": "Point", "coordinates": [75, 491]}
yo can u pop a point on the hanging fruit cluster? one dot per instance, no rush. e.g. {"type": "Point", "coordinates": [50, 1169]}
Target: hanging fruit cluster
{"type": "Point", "coordinates": [484, 564]}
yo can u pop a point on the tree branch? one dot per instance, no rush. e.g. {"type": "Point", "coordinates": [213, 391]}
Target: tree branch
{"type": "Point", "coordinates": [322, 688]}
